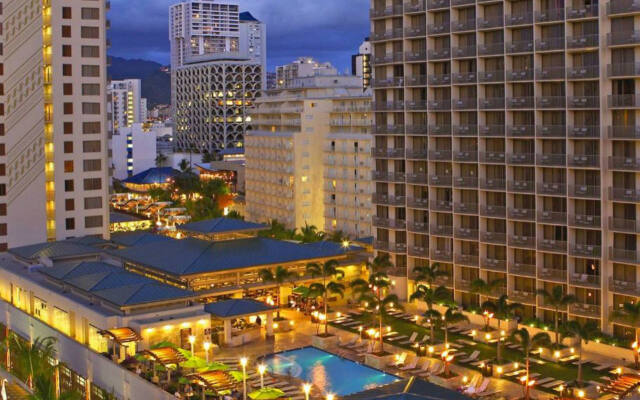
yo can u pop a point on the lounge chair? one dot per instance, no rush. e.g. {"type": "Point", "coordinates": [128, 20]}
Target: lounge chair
{"type": "Point", "coordinates": [479, 389]}
{"type": "Point", "coordinates": [472, 357]}
{"type": "Point", "coordinates": [488, 393]}
{"type": "Point", "coordinates": [411, 340]}
{"type": "Point", "coordinates": [434, 366]}
{"type": "Point", "coordinates": [346, 343]}
{"type": "Point", "coordinates": [399, 337]}
{"type": "Point", "coordinates": [409, 366]}
{"type": "Point", "coordinates": [545, 380]}
{"type": "Point", "coordinates": [424, 339]}
{"type": "Point", "coordinates": [422, 368]}
{"type": "Point", "coordinates": [553, 384]}
{"type": "Point", "coordinates": [472, 383]}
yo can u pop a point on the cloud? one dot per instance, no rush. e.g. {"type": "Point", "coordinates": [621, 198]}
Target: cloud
{"type": "Point", "coordinates": [329, 30]}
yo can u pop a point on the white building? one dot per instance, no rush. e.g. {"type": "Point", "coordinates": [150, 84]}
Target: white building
{"type": "Point", "coordinates": [361, 63]}
{"type": "Point", "coordinates": [126, 104]}
{"type": "Point", "coordinates": [301, 68]}
{"type": "Point", "coordinates": [53, 125]}
{"type": "Point", "coordinates": [134, 149]}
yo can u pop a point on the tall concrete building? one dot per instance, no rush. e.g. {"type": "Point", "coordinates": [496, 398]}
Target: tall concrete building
{"type": "Point", "coordinates": [127, 106]}
{"type": "Point", "coordinates": [361, 63]}
{"type": "Point", "coordinates": [53, 126]}
{"type": "Point", "coordinates": [308, 160]}
{"type": "Point", "coordinates": [507, 140]}
{"type": "Point", "coordinates": [218, 66]}
{"type": "Point", "coordinates": [287, 75]}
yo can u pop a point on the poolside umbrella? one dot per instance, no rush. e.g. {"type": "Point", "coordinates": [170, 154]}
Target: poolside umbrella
{"type": "Point", "coordinates": [266, 394]}
{"type": "Point", "coordinates": [237, 375]}
{"type": "Point", "coordinates": [301, 290]}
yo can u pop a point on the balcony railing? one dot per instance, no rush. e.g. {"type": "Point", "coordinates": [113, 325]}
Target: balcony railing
{"type": "Point", "coordinates": [490, 49]}
{"type": "Point", "coordinates": [520, 130]}
{"type": "Point", "coordinates": [439, 105]}
{"type": "Point", "coordinates": [585, 220]}
{"type": "Point", "coordinates": [522, 269]}
{"type": "Point", "coordinates": [435, 4]}
{"type": "Point", "coordinates": [439, 28]}
{"type": "Point", "coordinates": [417, 202]}
{"type": "Point", "coordinates": [413, 6]}
{"type": "Point", "coordinates": [389, 223]}
{"type": "Point", "coordinates": [552, 217]}
{"type": "Point", "coordinates": [441, 205]}
{"type": "Point", "coordinates": [466, 208]}
{"type": "Point", "coordinates": [421, 227]}
{"type": "Point", "coordinates": [465, 156]}
{"type": "Point", "coordinates": [463, 25]}
{"type": "Point", "coordinates": [583, 72]}
{"type": "Point", "coordinates": [552, 188]}
{"type": "Point", "coordinates": [466, 259]}
{"type": "Point", "coordinates": [387, 176]}
{"type": "Point", "coordinates": [387, 152]}
{"type": "Point", "coordinates": [552, 245]}
{"type": "Point", "coordinates": [387, 35]}
{"type": "Point", "coordinates": [587, 310]}
{"type": "Point", "coordinates": [388, 105]}
{"type": "Point", "coordinates": [390, 247]}
{"type": "Point", "coordinates": [440, 180]}
{"type": "Point", "coordinates": [550, 44]}
{"type": "Point", "coordinates": [519, 75]}
{"type": "Point", "coordinates": [520, 46]}
{"type": "Point", "coordinates": [462, 2]}
{"type": "Point", "coordinates": [585, 250]}
{"type": "Point", "coordinates": [528, 242]}
{"type": "Point", "coordinates": [494, 264]}
{"type": "Point", "coordinates": [583, 131]}
{"type": "Point", "coordinates": [624, 100]}
{"type": "Point", "coordinates": [553, 274]}
{"type": "Point", "coordinates": [549, 159]}
{"type": "Point", "coordinates": [439, 54]}
{"type": "Point", "coordinates": [386, 199]}
{"type": "Point", "coordinates": [388, 82]}
{"type": "Point", "coordinates": [490, 22]}
{"type": "Point", "coordinates": [439, 79]}
{"type": "Point", "coordinates": [582, 11]}
{"type": "Point", "coordinates": [439, 130]}
{"type": "Point", "coordinates": [464, 77]}
{"type": "Point", "coordinates": [441, 230]}
{"type": "Point", "coordinates": [387, 58]}
{"type": "Point", "coordinates": [549, 73]}
{"type": "Point", "coordinates": [415, 55]}
{"type": "Point", "coordinates": [464, 103]}
{"type": "Point", "coordinates": [417, 129]}
{"type": "Point", "coordinates": [492, 76]}
{"type": "Point", "coordinates": [463, 284]}
{"type": "Point", "coordinates": [623, 38]}
{"type": "Point", "coordinates": [521, 296]}
{"type": "Point", "coordinates": [583, 160]}
{"type": "Point", "coordinates": [520, 102]}
{"type": "Point", "coordinates": [465, 130]}
{"type": "Point", "coordinates": [588, 191]}
{"type": "Point", "coordinates": [623, 69]}
{"type": "Point", "coordinates": [624, 194]}
{"type": "Point", "coordinates": [624, 132]}
{"type": "Point", "coordinates": [624, 163]}
{"type": "Point", "coordinates": [491, 130]}
{"type": "Point", "coordinates": [582, 41]}
{"type": "Point", "coordinates": [488, 103]}
{"type": "Point", "coordinates": [493, 211]}
{"type": "Point", "coordinates": [518, 19]}
{"type": "Point", "coordinates": [520, 158]}
{"type": "Point", "coordinates": [464, 51]}
{"type": "Point", "coordinates": [521, 186]}
{"type": "Point", "coordinates": [624, 287]}
{"type": "Point", "coordinates": [624, 255]}
{"type": "Point", "coordinates": [492, 157]}
{"type": "Point", "coordinates": [465, 182]}
{"type": "Point", "coordinates": [416, 105]}
{"type": "Point", "coordinates": [416, 154]}
{"type": "Point", "coordinates": [550, 101]}
{"type": "Point", "coordinates": [624, 225]}
{"type": "Point", "coordinates": [440, 155]}
{"type": "Point", "coordinates": [385, 12]}
{"type": "Point", "coordinates": [441, 255]}
{"type": "Point", "coordinates": [551, 131]}
{"type": "Point", "coordinates": [419, 80]}
{"type": "Point", "coordinates": [418, 251]}
{"type": "Point", "coordinates": [493, 237]}
{"type": "Point", "coordinates": [416, 177]}
{"type": "Point", "coordinates": [414, 31]}
{"type": "Point", "coordinates": [388, 129]}
{"type": "Point", "coordinates": [550, 15]}
{"type": "Point", "coordinates": [583, 102]}
{"type": "Point", "coordinates": [622, 7]}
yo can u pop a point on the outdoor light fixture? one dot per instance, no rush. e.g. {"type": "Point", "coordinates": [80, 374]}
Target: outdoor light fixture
{"type": "Point", "coordinates": [306, 388]}
{"type": "Point", "coordinates": [243, 363]}
{"type": "Point", "coordinates": [261, 370]}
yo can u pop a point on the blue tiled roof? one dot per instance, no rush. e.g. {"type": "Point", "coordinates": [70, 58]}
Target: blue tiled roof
{"type": "Point", "coordinates": [114, 284]}
{"type": "Point", "coordinates": [129, 239]}
{"type": "Point", "coordinates": [193, 256]}
{"type": "Point", "coordinates": [220, 225]}
{"type": "Point", "coordinates": [152, 175]}
{"type": "Point", "coordinates": [408, 389]}
{"type": "Point", "coordinates": [236, 307]}
{"type": "Point", "coordinates": [246, 16]}
{"type": "Point", "coordinates": [116, 217]}
{"type": "Point", "coordinates": [54, 250]}
{"type": "Point", "coordinates": [234, 150]}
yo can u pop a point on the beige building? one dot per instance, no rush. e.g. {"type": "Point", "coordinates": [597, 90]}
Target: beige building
{"type": "Point", "coordinates": [53, 143]}
{"type": "Point", "coordinates": [309, 158]}
{"type": "Point", "coordinates": [507, 141]}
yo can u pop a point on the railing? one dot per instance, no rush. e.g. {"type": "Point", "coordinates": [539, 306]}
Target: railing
{"type": "Point", "coordinates": [584, 220]}
{"type": "Point", "coordinates": [520, 102]}
{"type": "Point", "coordinates": [441, 255]}
{"type": "Point", "coordinates": [622, 7]}
{"type": "Point", "coordinates": [623, 38]}
{"type": "Point", "coordinates": [383, 198]}
{"type": "Point", "coordinates": [492, 157]}
{"type": "Point", "coordinates": [463, 284]}
{"type": "Point", "coordinates": [416, 177]}
{"type": "Point", "coordinates": [584, 71]}
{"type": "Point", "coordinates": [465, 25]}
{"type": "Point", "coordinates": [582, 11]}
{"type": "Point", "coordinates": [550, 101]}
{"type": "Point", "coordinates": [549, 15]}
{"type": "Point", "coordinates": [387, 106]}
{"type": "Point", "coordinates": [438, 54]}
{"type": "Point", "coordinates": [624, 194]}
{"type": "Point", "coordinates": [441, 205]}
{"type": "Point", "coordinates": [468, 156]}
{"type": "Point", "coordinates": [417, 129]}
{"type": "Point", "coordinates": [583, 131]}
{"type": "Point", "coordinates": [439, 79]}
{"type": "Point", "coordinates": [388, 129]}
{"type": "Point", "coordinates": [414, 6]}
{"type": "Point", "coordinates": [521, 296]}
{"type": "Point", "coordinates": [388, 223]}
{"type": "Point", "coordinates": [466, 208]}
{"type": "Point", "coordinates": [491, 102]}
{"type": "Point", "coordinates": [624, 255]}
{"type": "Point", "coordinates": [416, 153]}
{"type": "Point", "coordinates": [520, 186]}
{"type": "Point", "coordinates": [385, 12]}
{"type": "Point", "coordinates": [624, 225]}
{"type": "Point", "coordinates": [441, 230]}
{"type": "Point", "coordinates": [522, 269]}
{"type": "Point", "coordinates": [518, 19]}
{"type": "Point", "coordinates": [490, 22]}
{"type": "Point", "coordinates": [440, 180]}
{"type": "Point", "coordinates": [552, 188]}
{"type": "Point", "coordinates": [388, 176]}
{"type": "Point", "coordinates": [387, 58]}
{"type": "Point", "coordinates": [421, 227]}
{"type": "Point", "coordinates": [387, 152]}
{"type": "Point", "coordinates": [546, 73]}
{"type": "Point", "coordinates": [552, 245]}
{"type": "Point", "coordinates": [551, 159]}
{"type": "Point", "coordinates": [492, 130]}
{"type": "Point", "coordinates": [494, 264]}
{"type": "Point", "coordinates": [418, 251]}
{"type": "Point", "coordinates": [415, 202]}
{"type": "Point", "coordinates": [464, 77]}
{"type": "Point", "coordinates": [466, 259]}
{"type": "Point", "coordinates": [520, 130]}
{"type": "Point", "coordinates": [557, 275]}
{"type": "Point", "coordinates": [522, 241]}
{"type": "Point", "coordinates": [624, 163]}
{"type": "Point", "coordinates": [588, 191]}
{"type": "Point", "coordinates": [624, 100]}
{"type": "Point", "coordinates": [433, 4]}
{"type": "Point", "coordinates": [551, 131]}
{"type": "Point", "coordinates": [465, 182]}
{"type": "Point", "coordinates": [440, 28]}
{"type": "Point", "coordinates": [623, 69]}
{"type": "Point", "coordinates": [549, 44]}
{"type": "Point", "coordinates": [439, 105]}
{"type": "Point", "coordinates": [415, 56]}
{"type": "Point", "coordinates": [489, 49]}
{"type": "Point", "coordinates": [465, 130]}
{"type": "Point", "coordinates": [520, 46]}
{"type": "Point", "coordinates": [414, 31]}
{"type": "Point", "coordinates": [439, 130]}
{"type": "Point", "coordinates": [388, 246]}
{"type": "Point", "coordinates": [387, 35]}
{"type": "Point", "coordinates": [624, 287]}
{"type": "Point", "coordinates": [520, 158]}
{"type": "Point", "coordinates": [582, 41]}
{"type": "Point", "coordinates": [552, 216]}
{"type": "Point", "coordinates": [585, 250]}
{"type": "Point", "coordinates": [464, 104]}
{"type": "Point", "coordinates": [493, 237]}
{"type": "Point", "coordinates": [493, 211]}
{"type": "Point", "coordinates": [588, 310]}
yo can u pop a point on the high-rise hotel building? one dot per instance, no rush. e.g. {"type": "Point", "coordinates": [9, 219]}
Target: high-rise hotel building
{"type": "Point", "coordinates": [53, 136]}
{"type": "Point", "coordinates": [507, 147]}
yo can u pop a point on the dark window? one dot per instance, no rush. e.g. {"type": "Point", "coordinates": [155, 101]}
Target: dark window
{"type": "Point", "coordinates": [2, 149]}
{"type": "Point", "coordinates": [3, 209]}
{"type": "Point", "coordinates": [68, 128]}
{"type": "Point", "coordinates": [3, 189]}
{"type": "Point", "coordinates": [90, 127]}
{"type": "Point", "coordinates": [3, 229]}
{"type": "Point", "coordinates": [66, 12]}
{"type": "Point", "coordinates": [67, 89]}
{"type": "Point", "coordinates": [67, 108]}
{"type": "Point", "coordinates": [66, 50]}
{"type": "Point", "coordinates": [68, 166]}
{"type": "Point", "coordinates": [92, 184]}
{"type": "Point", "coordinates": [89, 32]}
{"type": "Point", "coordinates": [69, 205]}
{"type": "Point", "coordinates": [68, 147]}
{"type": "Point", "coordinates": [93, 221]}
{"type": "Point", "coordinates": [66, 69]}
{"type": "Point", "coordinates": [66, 31]}
{"type": "Point", "coordinates": [68, 185]}
{"type": "Point", "coordinates": [70, 223]}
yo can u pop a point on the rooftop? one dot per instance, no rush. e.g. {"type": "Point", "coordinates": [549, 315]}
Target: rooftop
{"type": "Point", "coordinates": [155, 175]}
{"type": "Point", "coordinates": [116, 217]}
{"type": "Point", "coordinates": [221, 225]}
{"type": "Point", "coordinates": [236, 308]}
{"type": "Point", "coordinates": [59, 250]}
{"type": "Point", "coordinates": [408, 389]}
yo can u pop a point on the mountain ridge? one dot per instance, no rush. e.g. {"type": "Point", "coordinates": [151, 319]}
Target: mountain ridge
{"type": "Point", "coordinates": [156, 83]}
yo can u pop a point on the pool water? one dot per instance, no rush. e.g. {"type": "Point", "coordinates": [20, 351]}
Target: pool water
{"type": "Point", "coordinates": [328, 372]}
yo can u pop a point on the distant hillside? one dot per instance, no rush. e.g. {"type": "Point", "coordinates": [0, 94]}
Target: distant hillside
{"type": "Point", "coordinates": [156, 84]}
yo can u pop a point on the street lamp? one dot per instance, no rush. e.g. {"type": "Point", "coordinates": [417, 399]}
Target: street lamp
{"type": "Point", "coordinates": [243, 362]}
{"type": "Point", "coordinates": [261, 370]}
{"type": "Point", "coordinates": [192, 340]}
{"type": "Point", "coordinates": [331, 396]}
{"type": "Point", "coordinates": [306, 388]}
{"type": "Point", "coordinates": [207, 346]}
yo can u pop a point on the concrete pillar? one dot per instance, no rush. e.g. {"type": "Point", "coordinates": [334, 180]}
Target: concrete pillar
{"type": "Point", "coordinates": [227, 331]}
{"type": "Point", "coordinates": [269, 324]}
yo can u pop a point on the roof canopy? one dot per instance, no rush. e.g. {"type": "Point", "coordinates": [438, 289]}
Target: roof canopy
{"type": "Point", "coordinates": [158, 175]}
{"type": "Point", "coordinates": [121, 335]}
{"type": "Point", "coordinates": [408, 389]}
{"type": "Point", "coordinates": [165, 355]}
{"type": "Point", "coordinates": [216, 380]}
{"type": "Point", "coordinates": [235, 308]}
{"type": "Point", "coordinates": [221, 225]}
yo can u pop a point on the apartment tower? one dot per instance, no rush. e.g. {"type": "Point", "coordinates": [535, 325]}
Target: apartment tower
{"type": "Point", "coordinates": [53, 136]}
{"type": "Point", "coordinates": [127, 106]}
{"type": "Point", "coordinates": [498, 157]}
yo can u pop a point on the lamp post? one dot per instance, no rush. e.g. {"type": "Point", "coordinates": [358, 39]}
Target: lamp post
{"type": "Point", "coordinates": [243, 362]}
{"type": "Point", "coordinates": [207, 346]}
{"type": "Point", "coordinates": [192, 340]}
{"type": "Point", "coordinates": [261, 370]}
{"type": "Point", "coordinates": [331, 396]}
{"type": "Point", "coordinates": [306, 388]}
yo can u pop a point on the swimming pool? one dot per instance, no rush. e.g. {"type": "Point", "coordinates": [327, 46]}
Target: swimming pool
{"type": "Point", "coordinates": [328, 372]}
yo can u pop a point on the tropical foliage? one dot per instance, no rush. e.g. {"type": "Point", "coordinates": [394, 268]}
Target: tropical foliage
{"type": "Point", "coordinates": [584, 333]}
{"type": "Point", "coordinates": [430, 296]}
{"type": "Point", "coordinates": [279, 276]}
{"type": "Point", "coordinates": [328, 271]}
{"type": "Point", "coordinates": [451, 317]}
{"type": "Point", "coordinates": [528, 343]}
{"type": "Point", "coordinates": [559, 300]}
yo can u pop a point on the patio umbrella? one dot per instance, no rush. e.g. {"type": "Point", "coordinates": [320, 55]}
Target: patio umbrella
{"type": "Point", "coordinates": [301, 290]}
{"type": "Point", "coordinates": [237, 375]}
{"type": "Point", "coordinates": [214, 366]}
{"type": "Point", "coordinates": [160, 345]}
{"type": "Point", "coordinates": [266, 394]}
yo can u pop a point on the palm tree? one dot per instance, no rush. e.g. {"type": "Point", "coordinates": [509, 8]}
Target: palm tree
{"type": "Point", "coordinates": [328, 270]}
{"type": "Point", "coordinates": [32, 360]}
{"type": "Point", "coordinates": [45, 389]}
{"type": "Point", "coordinates": [160, 160]}
{"type": "Point", "coordinates": [337, 236]}
{"type": "Point", "coordinates": [430, 296]}
{"type": "Point", "coordinates": [504, 311]}
{"type": "Point", "coordinates": [429, 273]}
{"type": "Point", "coordinates": [528, 343]}
{"type": "Point", "coordinates": [185, 166]}
{"type": "Point", "coordinates": [372, 293]}
{"type": "Point", "coordinates": [310, 233]}
{"type": "Point", "coordinates": [584, 333]}
{"type": "Point", "coordinates": [450, 317]}
{"type": "Point", "coordinates": [557, 299]}
{"type": "Point", "coordinates": [486, 288]}
{"type": "Point", "coordinates": [279, 276]}
{"type": "Point", "coordinates": [630, 314]}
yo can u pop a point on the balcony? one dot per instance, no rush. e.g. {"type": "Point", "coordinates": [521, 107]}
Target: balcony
{"type": "Point", "coordinates": [521, 186]}
{"type": "Point", "coordinates": [465, 182]}
{"type": "Point", "coordinates": [465, 156]}
{"type": "Point", "coordinates": [624, 225]}
{"type": "Point", "coordinates": [493, 211]}
{"type": "Point", "coordinates": [521, 296]}
{"type": "Point", "coordinates": [419, 80]}
{"type": "Point", "coordinates": [416, 105]}
{"type": "Point", "coordinates": [550, 73]}
{"type": "Point", "coordinates": [414, 7]}
{"type": "Point", "coordinates": [464, 77]}
{"type": "Point", "coordinates": [520, 130]}
{"type": "Point", "coordinates": [624, 101]}
{"type": "Point", "coordinates": [386, 199]}
{"type": "Point", "coordinates": [583, 11]}
{"type": "Point", "coordinates": [464, 51]}
{"type": "Point", "coordinates": [552, 188]}
{"type": "Point", "coordinates": [465, 130]}
{"type": "Point", "coordinates": [553, 274]}
{"type": "Point", "coordinates": [583, 160]}
{"type": "Point", "coordinates": [415, 56]}
{"type": "Point", "coordinates": [584, 191]}
{"type": "Point", "coordinates": [385, 12]}
{"type": "Point", "coordinates": [388, 176]}
{"type": "Point", "coordinates": [550, 44]}
{"type": "Point", "coordinates": [624, 194]}
{"type": "Point", "coordinates": [466, 259]}
{"type": "Point", "coordinates": [387, 153]}
{"type": "Point", "coordinates": [492, 157]}
{"type": "Point", "coordinates": [550, 15]}
{"type": "Point", "coordinates": [466, 233]}
{"type": "Point", "coordinates": [585, 250]}
{"type": "Point", "coordinates": [416, 177]}
{"type": "Point", "coordinates": [394, 81]}
{"type": "Point", "coordinates": [465, 208]}
{"type": "Point", "coordinates": [528, 242]}
{"type": "Point", "coordinates": [438, 79]}
{"type": "Point", "coordinates": [494, 264]}
{"type": "Point", "coordinates": [583, 102]}
{"type": "Point", "coordinates": [585, 310]}
{"type": "Point", "coordinates": [439, 105]}
{"type": "Point", "coordinates": [389, 129]}
{"type": "Point", "coordinates": [439, 130]}
{"type": "Point", "coordinates": [418, 251]}
{"type": "Point", "coordinates": [491, 76]}
{"type": "Point", "coordinates": [438, 29]}
{"type": "Point", "coordinates": [387, 35]}
{"type": "Point", "coordinates": [382, 222]}
{"type": "Point", "coordinates": [491, 103]}
{"type": "Point", "coordinates": [552, 217]}
{"type": "Point", "coordinates": [414, 31]}
{"type": "Point", "coordinates": [550, 102]}
{"type": "Point", "coordinates": [624, 132]}
{"type": "Point", "coordinates": [388, 105]}
{"type": "Point", "coordinates": [624, 255]}
{"type": "Point", "coordinates": [465, 25]}
{"type": "Point", "coordinates": [493, 237]}
{"type": "Point", "coordinates": [584, 131]}
{"type": "Point", "coordinates": [551, 131]}
{"type": "Point", "coordinates": [435, 4]}
{"type": "Point", "coordinates": [463, 284]}
{"type": "Point", "coordinates": [548, 159]}
{"type": "Point", "coordinates": [464, 104]}
{"type": "Point", "coordinates": [583, 72]}
{"type": "Point", "coordinates": [490, 22]}
{"type": "Point", "coordinates": [420, 227]}
{"type": "Point", "coordinates": [623, 38]}
{"type": "Point", "coordinates": [462, 2]}
{"type": "Point", "coordinates": [440, 155]}
{"type": "Point", "coordinates": [520, 158]}
{"type": "Point", "coordinates": [387, 58]}
{"type": "Point", "coordinates": [520, 102]}
{"type": "Point", "coordinates": [417, 202]}
{"type": "Point", "coordinates": [390, 247]}
{"type": "Point", "coordinates": [441, 230]}
{"type": "Point", "coordinates": [582, 41]}
{"type": "Point", "coordinates": [492, 130]}
{"type": "Point", "coordinates": [622, 7]}
{"type": "Point", "coordinates": [584, 221]}
{"type": "Point", "coordinates": [490, 49]}
{"type": "Point", "coordinates": [624, 287]}
{"type": "Point", "coordinates": [522, 269]}
{"type": "Point", "coordinates": [438, 54]}
{"type": "Point", "coordinates": [518, 19]}
{"type": "Point", "coordinates": [519, 46]}
{"type": "Point", "coordinates": [623, 69]}
{"type": "Point", "coordinates": [441, 205]}
{"type": "Point", "coordinates": [416, 154]}
{"type": "Point", "coordinates": [519, 75]}
{"type": "Point", "coordinates": [552, 245]}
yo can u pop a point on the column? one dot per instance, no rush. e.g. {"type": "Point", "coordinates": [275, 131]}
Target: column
{"type": "Point", "coordinates": [227, 331]}
{"type": "Point", "coordinates": [269, 324]}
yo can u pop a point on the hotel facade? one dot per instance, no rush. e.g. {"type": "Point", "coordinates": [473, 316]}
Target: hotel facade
{"type": "Point", "coordinates": [496, 154]}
